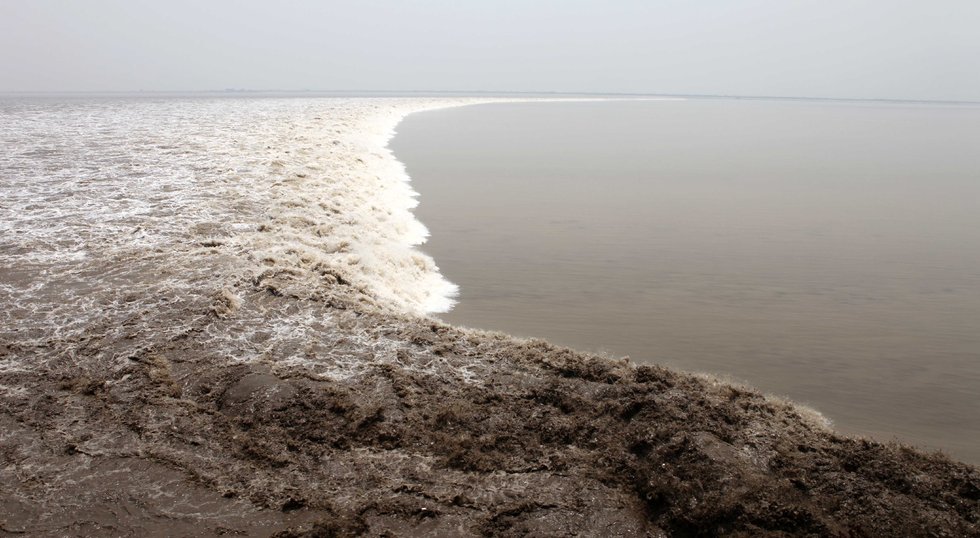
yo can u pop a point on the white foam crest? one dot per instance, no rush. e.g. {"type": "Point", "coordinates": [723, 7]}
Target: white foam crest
{"type": "Point", "coordinates": [121, 218]}
{"type": "Point", "coordinates": [349, 210]}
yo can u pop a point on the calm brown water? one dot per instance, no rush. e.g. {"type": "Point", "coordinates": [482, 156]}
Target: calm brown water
{"type": "Point", "coordinates": [826, 252]}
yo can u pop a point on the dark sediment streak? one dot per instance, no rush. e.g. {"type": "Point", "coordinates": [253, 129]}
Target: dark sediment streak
{"type": "Point", "coordinates": [462, 433]}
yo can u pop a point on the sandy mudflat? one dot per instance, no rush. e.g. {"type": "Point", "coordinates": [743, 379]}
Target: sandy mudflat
{"type": "Point", "coordinates": [457, 434]}
{"type": "Point", "coordinates": [238, 349]}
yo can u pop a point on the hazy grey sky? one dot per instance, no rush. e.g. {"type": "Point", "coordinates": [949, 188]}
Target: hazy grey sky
{"type": "Point", "coordinates": [832, 48]}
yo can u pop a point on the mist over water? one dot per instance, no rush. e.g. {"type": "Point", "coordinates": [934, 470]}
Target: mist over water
{"type": "Point", "coordinates": [828, 252]}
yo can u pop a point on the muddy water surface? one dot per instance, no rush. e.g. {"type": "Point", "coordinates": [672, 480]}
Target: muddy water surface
{"type": "Point", "coordinates": [826, 252]}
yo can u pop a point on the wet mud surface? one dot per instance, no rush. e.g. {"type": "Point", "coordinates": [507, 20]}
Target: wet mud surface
{"type": "Point", "coordinates": [440, 432]}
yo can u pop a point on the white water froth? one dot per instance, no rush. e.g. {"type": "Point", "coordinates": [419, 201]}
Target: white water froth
{"type": "Point", "coordinates": [112, 208]}
{"type": "Point", "coordinates": [130, 222]}
{"type": "Point", "coordinates": [360, 228]}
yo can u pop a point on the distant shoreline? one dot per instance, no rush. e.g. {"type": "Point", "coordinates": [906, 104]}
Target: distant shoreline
{"type": "Point", "coordinates": [475, 93]}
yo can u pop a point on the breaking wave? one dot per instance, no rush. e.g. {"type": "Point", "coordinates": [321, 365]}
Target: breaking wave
{"type": "Point", "coordinates": [129, 216]}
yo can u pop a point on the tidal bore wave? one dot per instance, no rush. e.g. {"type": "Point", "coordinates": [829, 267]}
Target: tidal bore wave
{"type": "Point", "coordinates": [211, 323]}
{"type": "Point", "coordinates": [124, 210]}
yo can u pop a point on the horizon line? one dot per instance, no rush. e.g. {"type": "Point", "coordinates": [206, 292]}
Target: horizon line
{"type": "Point", "coordinates": [237, 91]}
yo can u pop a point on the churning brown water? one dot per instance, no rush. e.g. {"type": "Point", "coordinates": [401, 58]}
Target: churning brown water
{"type": "Point", "coordinates": [829, 252]}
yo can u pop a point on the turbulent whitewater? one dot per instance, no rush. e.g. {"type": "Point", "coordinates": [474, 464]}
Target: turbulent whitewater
{"type": "Point", "coordinates": [114, 208]}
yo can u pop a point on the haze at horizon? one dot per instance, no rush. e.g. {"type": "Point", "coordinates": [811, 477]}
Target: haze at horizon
{"type": "Point", "coordinates": [865, 49]}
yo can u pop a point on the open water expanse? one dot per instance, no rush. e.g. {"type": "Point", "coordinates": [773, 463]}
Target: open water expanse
{"type": "Point", "coordinates": [828, 252]}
